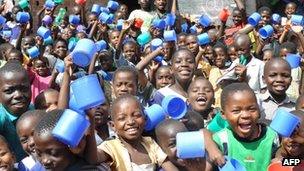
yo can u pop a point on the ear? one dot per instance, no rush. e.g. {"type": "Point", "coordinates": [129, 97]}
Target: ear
{"type": "Point", "coordinates": [263, 78]}
{"type": "Point", "coordinates": [223, 114]}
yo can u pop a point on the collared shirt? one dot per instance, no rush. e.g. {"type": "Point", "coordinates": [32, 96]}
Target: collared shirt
{"type": "Point", "coordinates": [268, 106]}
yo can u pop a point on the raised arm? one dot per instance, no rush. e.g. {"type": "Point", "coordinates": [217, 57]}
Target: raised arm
{"type": "Point", "coordinates": [64, 94]}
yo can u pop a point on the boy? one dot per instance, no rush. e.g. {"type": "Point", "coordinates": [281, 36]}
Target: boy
{"type": "Point", "coordinates": [246, 140]}
{"type": "Point", "coordinates": [277, 76]}
{"type": "Point", "coordinates": [7, 158]}
{"type": "Point", "coordinates": [15, 96]}
{"type": "Point", "coordinates": [143, 13]}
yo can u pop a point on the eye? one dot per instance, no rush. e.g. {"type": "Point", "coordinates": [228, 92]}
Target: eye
{"type": "Point", "coordinates": [9, 91]}
{"type": "Point", "coordinates": [2, 153]}
{"type": "Point", "coordinates": [236, 111]}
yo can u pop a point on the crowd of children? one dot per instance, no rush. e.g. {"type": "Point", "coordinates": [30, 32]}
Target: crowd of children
{"type": "Point", "coordinates": [233, 84]}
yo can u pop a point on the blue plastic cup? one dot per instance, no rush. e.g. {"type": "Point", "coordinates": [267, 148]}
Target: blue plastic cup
{"type": "Point", "coordinates": [104, 18]}
{"type": "Point", "coordinates": [43, 32]}
{"type": "Point", "coordinates": [6, 33]}
{"type": "Point", "coordinates": [232, 165]}
{"type": "Point", "coordinates": [185, 27]}
{"type": "Point", "coordinates": [73, 104]}
{"type": "Point", "coordinates": [83, 52]}
{"type": "Point", "coordinates": [22, 17]}
{"type": "Point", "coordinates": [159, 23]}
{"type": "Point", "coordinates": [266, 31]}
{"type": "Point", "coordinates": [170, 35]}
{"type": "Point", "coordinates": [88, 92]}
{"type": "Point", "coordinates": [47, 20]}
{"type": "Point", "coordinates": [155, 43]}
{"type": "Point", "coordinates": [70, 128]}
{"type": "Point", "coordinates": [33, 52]}
{"type": "Point", "coordinates": [170, 19]}
{"type": "Point", "coordinates": [276, 18]}
{"type": "Point", "coordinates": [190, 145]}
{"type": "Point", "coordinates": [95, 9]}
{"type": "Point", "coordinates": [48, 40]}
{"type": "Point", "coordinates": [105, 10]}
{"type": "Point", "coordinates": [2, 20]}
{"type": "Point", "coordinates": [294, 60]}
{"type": "Point", "coordinates": [193, 29]}
{"type": "Point", "coordinates": [112, 18]}
{"type": "Point", "coordinates": [113, 5]}
{"type": "Point", "coordinates": [59, 66]}
{"type": "Point", "coordinates": [101, 45]}
{"type": "Point", "coordinates": [158, 59]}
{"type": "Point", "coordinates": [74, 19]}
{"type": "Point", "coordinates": [203, 39]}
{"type": "Point", "coordinates": [154, 115]}
{"type": "Point", "coordinates": [254, 19]}
{"type": "Point", "coordinates": [284, 122]}
{"type": "Point", "coordinates": [49, 4]}
{"type": "Point", "coordinates": [297, 19]}
{"type": "Point", "coordinates": [119, 24]}
{"type": "Point", "coordinates": [144, 38]}
{"type": "Point", "coordinates": [204, 20]}
{"type": "Point", "coordinates": [175, 107]}
{"type": "Point", "coordinates": [72, 45]}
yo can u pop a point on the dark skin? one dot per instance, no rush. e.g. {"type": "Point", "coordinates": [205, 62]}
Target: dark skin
{"type": "Point", "coordinates": [242, 46]}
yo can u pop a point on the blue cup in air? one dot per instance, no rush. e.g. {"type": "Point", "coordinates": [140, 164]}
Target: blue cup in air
{"type": "Point", "coordinates": [59, 66]}
{"type": "Point", "coordinates": [170, 35]}
{"type": "Point", "coordinates": [70, 128]}
{"type": "Point", "coordinates": [73, 104]}
{"type": "Point", "coordinates": [43, 32]}
{"type": "Point", "coordinates": [72, 45]}
{"type": "Point", "coordinates": [254, 19]}
{"type": "Point", "coordinates": [232, 165]}
{"type": "Point", "coordinates": [155, 43]}
{"type": "Point", "coordinates": [49, 4]}
{"type": "Point", "coordinates": [294, 60]}
{"type": "Point", "coordinates": [170, 19]}
{"type": "Point", "coordinates": [113, 5]}
{"type": "Point", "coordinates": [203, 39]}
{"type": "Point", "coordinates": [193, 29]}
{"type": "Point", "coordinates": [104, 18]}
{"type": "Point", "coordinates": [119, 24]}
{"type": "Point", "coordinates": [33, 52]}
{"type": "Point", "coordinates": [47, 20]}
{"type": "Point", "coordinates": [2, 20]}
{"type": "Point", "coordinates": [83, 52]}
{"type": "Point", "coordinates": [74, 19]}
{"type": "Point", "coordinates": [159, 23]}
{"type": "Point", "coordinates": [266, 31]}
{"type": "Point", "coordinates": [88, 92]}
{"type": "Point", "coordinates": [101, 45]}
{"type": "Point", "coordinates": [297, 19]}
{"type": "Point", "coordinates": [154, 115]}
{"type": "Point", "coordinates": [6, 33]}
{"type": "Point", "coordinates": [175, 107]}
{"type": "Point", "coordinates": [144, 38]}
{"type": "Point", "coordinates": [22, 17]}
{"type": "Point", "coordinates": [284, 122]}
{"type": "Point", "coordinates": [276, 18]}
{"type": "Point", "coordinates": [185, 27]}
{"type": "Point", "coordinates": [190, 145]}
{"type": "Point", "coordinates": [204, 21]}
{"type": "Point", "coordinates": [95, 9]}
{"type": "Point", "coordinates": [105, 10]}
{"type": "Point", "coordinates": [48, 40]}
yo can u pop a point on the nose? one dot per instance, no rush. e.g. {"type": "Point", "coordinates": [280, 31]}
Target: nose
{"type": "Point", "coordinates": [131, 121]}
{"type": "Point", "coordinates": [245, 115]}
{"type": "Point", "coordinates": [31, 143]}
{"type": "Point", "coordinates": [18, 95]}
{"type": "Point", "coordinates": [45, 160]}
{"type": "Point", "coordinates": [124, 88]}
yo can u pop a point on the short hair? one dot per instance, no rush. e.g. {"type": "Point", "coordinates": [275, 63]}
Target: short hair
{"type": "Point", "coordinates": [29, 114]}
{"type": "Point", "coordinates": [43, 59]}
{"type": "Point", "coordinates": [48, 122]}
{"type": "Point", "coordinates": [128, 69]}
{"type": "Point", "coordinates": [4, 47]}
{"type": "Point", "coordinates": [199, 78]}
{"type": "Point", "coordinates": [220, 45]}
{"type": "Point", "coordinates": [195, 121]}
{"type": "Point", "coordinates": [162, 67]}
{"type": "Point", "coordinates": [164, 125]}
{"type": "Point", "coordinates": [290, 46]}
{"type": "Point", "coordinates": [130, 42]}
{"type": "Point", "coordinates": [182, 34]}
{"type": "Point", "coordinates": [123, 98]}
{"type": "Point", "coordinates": [60, 40]}
{"type": "Point", "coordinates": [39, 101]}
{"type": "Point", "coordinates": [264, 8]}
{"type": "Point", "coordinates": [273, 60]}
{"type": "Point", "coordinates": [13, 66]}
{"type": "Point", "coordinates": [3, 139]}
{"type": "Point", "coordinates": [231, 89]}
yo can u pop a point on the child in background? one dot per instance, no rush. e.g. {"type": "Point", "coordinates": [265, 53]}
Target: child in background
{"type": "Point", "coordinates": [163, 77]}
{"type": "Point", "coordinates": [15, 54]}
{"type": "Point", "coordinates": [143, 13]}
{"type": "Point", "coordinates": [47, 100]}
{"type": "Point", "coordinates": [131, 150]}
{"type": "Point", "coordinates": [25, 129]}
{"type": "Point", "coordinates": [290, 9]}
{"type": "Point", "coordinates": [251, 143]}
{"type": "Point", "coordinates": [231, 52]}
{"type": "Point", "coordinates": [268, 54]}
{"type": "Point", "coordinates": [7, 157]}
{"type": "Point", "coordinates": [300, 103]}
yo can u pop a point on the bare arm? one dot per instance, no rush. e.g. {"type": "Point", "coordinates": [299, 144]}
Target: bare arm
{"type": "Point", "coordinates": [248, 28]}
{"type": "Point", "coordinates": [146, 60]}
{"type": "Point", "coordinates": [93, 30]}
{"type": "Point", "coordinates": [168, 166]}
{"type": "Point", "coordinates": [125, 28]}
{"type": "Point", "coordinates": [92, 64]}
{"type": "Point", "coordinates": [63, 100]}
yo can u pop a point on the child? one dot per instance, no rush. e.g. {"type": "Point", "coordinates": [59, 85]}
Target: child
{"type": "Point", "coordinates": [231, 52]}
{"type": "Point", "coordinates": [245, 140]}
{"type": "Point", "coordinates": [47, 100]}
{"type": "Point", "coordinates": [7, 157]}
{"type": "Point", "coordinates": [25, 128]}
{"type": "Point", "coordinates": [290, 9]}
{"type": "Point", "coordinates": [268, 54]}
{"type": "Point", "coordinates": [15, 54]}
{"type": "Point", "coordinates": [163, 77]}
{"type": "Point", "coordinates": [53, 154]}
{"type": "Point", "coordinates": [277, 76]}
{"type": "Point", "coordinates": [181, 40]}
{"type": "Point", "coordinates": [143, 13]}
{"type": "Point", "coordinates": [15, 98]}
{"type": "Point", "coordinates": [131, 150]}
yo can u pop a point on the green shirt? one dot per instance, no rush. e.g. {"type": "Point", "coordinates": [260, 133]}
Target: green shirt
{"type": "Point", "coordinates": [8, 130]}
{"type": "Point", "coordinates": [255, 155]}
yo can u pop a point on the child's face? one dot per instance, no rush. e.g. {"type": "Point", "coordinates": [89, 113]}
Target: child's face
{"type": "Point", "coordinates": [7, 159]}
{"type": "Point", "coordinates": [124, 83]}
{"type": "Point", "coordinates": [168, 50]}
{"type": "Point", "coordinates": [293, 148]}
{"type": "Point", "coordinates": [15, 56]}
{"type": "Point", "coordinates": [27, 43]}
{"type": "Point", "coordinates": [60, 49]}
{"type": "Point", "coordinates": [81, 35]}
{"type": "Point", "coordinates": [129, 51]}
{"type": "Point", "coordinates": [163, 78]}
{"type": "Point", "coordinates": [183, 66]}
{"type": "Point", "coordinates": [267, 55]}
{"type": "Point", "coordinates": [236, 17]}
{"type": "Point", "coordinates": [283, 52]}
{"type": "Point", "coordinates": [157, 33]}
{"type": "Point", "coordinates": [209, 53]}
{"type": "Point", "coordinates": [277, 76]}
{"type": "Point", "coordinates": [52, 154]}
{"type": "Point", "coordinates": [242, 112]}
{"type": "Point", "coordinates": [160, 4]}
{"type": "Point", "coordinates": [41, 68]}
{"type": "Point", "coordinates": [114, 35]}
{"type": "Point", "coordinates": [144, 4]}
{"type": "Point", "coordinates": [15, 92]}
{"type": "Point", "coordinates": [181, 41]}
{"type": "Point", "coordinates": [192, 44]}
{"type": "Point", "coordinates": [242, 47]}
{"type": "Point", "coordinates": [92, 18]}
{"type": "Point", "coordinates": [265, 18]}
{"type": "Point", "coordinates": [66, 33]}
{"type": "Point", "coordinates": [290, 9]}
{"type": "Point", "coordinates": [128, 120]}
{"type": "Point", "coordinates": [51, 100]}
{"type": "Point", "coordinates": [220, 57]}
{"type": "Point", "coordinates": [123, 8]}
{"type": "Point", "coordinates": [201, 95]}
{"type": "Point", "coordinates": [101, 114]}
{"type": "Point", "coordinates": [232, 53]}
{"type": "Point", "coordinates": [106, 62]}
{"type": "Point", "coordinates": [25, 130]}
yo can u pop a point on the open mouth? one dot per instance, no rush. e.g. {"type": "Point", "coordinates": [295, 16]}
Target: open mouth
{"type": "Point", "coordinates": [279, 87]}
{"type": "Point", "coordinates": [201, 100]}
{"type": "Point", "coordinates": [245, 127]}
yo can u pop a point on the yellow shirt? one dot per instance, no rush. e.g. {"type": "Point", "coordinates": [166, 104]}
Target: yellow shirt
{"type": "Point", "coordinates": [214, 75]}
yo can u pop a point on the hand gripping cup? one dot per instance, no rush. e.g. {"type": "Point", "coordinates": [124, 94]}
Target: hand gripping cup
{"type": "Point", "coordinates": [190, 145]}
{"type": "Point", "coordinates": [47, 20]}
{"type": "Point", "coordinates": [48, 40]}
{"type": "Point", "coordinates": [232, 165]}
{"type": "Point", "coordinates": [203, 39]}
{"type": "Point", "coordinates": [294, 60]}
{"type": "Point", "coordinates": [254, 19]}
{"type": "Point", "coordinates": [266, 31]}
{"type": "Point", "coordinates": [224, 14]}
{"type": "Point", "coordinates": [49, 4]}
{"type": "Point", "coordinates": [83, 52]}
{"type": "Point", "coordinates": [138, 22]}
{"type": "Point", "coordinates": [277, 166]}
{"type": "Point", "coordinates": [175, 107]}
{"type": "Point", "coordinates": [74, 19]}
{"type": "Point", "coordinates": [154, 115]}
{"type": "Point", "coordinates": [170, 35]}
{"type": "Point", "coordinates": [159, 23]}
{"type": "Point", "coordinates": [43, 32]}
{"type": "Point", "coordinates": [101, 45]}
{"type": "Point", "coordinates": [59, 66]}
{"type": "Point", "coordinates": [113, 5]}
{"type": "Point", "coordinates": [70, 128]}
{"type": "Point", "coordinates": [204, 21]}
{"type": "Point", "coordinates": [144, 38]}
{"type": "Point", "coordinates": [284, 122]}
{"type": "Point", "coordinates": [119, 24]}
{"type": "Point", "coordinates": [22, 17]}
{"type": "Point", "coordinates": [155, 43]}
{"type": "Point", "coordinates": [33, 52]}
{"type": "Point", "coordinates": [23, 4]}
{"type": "Point", "coordinates": [276, 18]}
{"type": "Point", "coordinates": [297, 20]}
{"type": "Point", "coordinates": [88, 92]}
{"type": "Point", "coordinates": [170, 19]}
{"type": "Point", "coordinates": [95, 9]}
